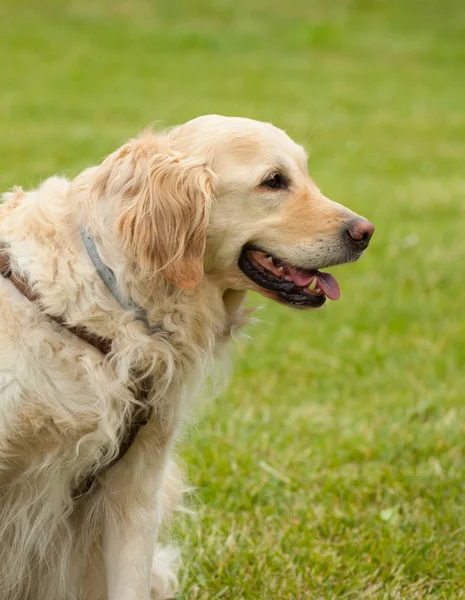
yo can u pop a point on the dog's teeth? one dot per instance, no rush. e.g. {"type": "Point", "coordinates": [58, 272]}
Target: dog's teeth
{"type": "Point", "coordinates": [269, 259]}
{"type": "Point", "coordinates": [312, 285]}
{"type": "Point", "coordinates": [281, 270]}
{"type": "Point", "coordinates": [318, 291]}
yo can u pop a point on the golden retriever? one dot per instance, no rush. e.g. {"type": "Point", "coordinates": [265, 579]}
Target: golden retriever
{"type": "Point", "coordinates": [187, 221]}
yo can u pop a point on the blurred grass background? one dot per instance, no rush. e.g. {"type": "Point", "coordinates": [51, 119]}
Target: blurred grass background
{"type": "Point", "coordinates": [333, 465]}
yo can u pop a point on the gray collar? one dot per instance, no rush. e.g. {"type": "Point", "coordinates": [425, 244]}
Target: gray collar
{"type": "Point", "coordinates": [109, 279]}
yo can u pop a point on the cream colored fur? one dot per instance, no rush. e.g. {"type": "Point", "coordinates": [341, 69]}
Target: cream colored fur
{"type": "Point", "coordinates": [170, 214]}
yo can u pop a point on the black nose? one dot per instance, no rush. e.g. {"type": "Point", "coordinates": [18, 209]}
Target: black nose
{"type": "Point", "coordinates": [360, 232]}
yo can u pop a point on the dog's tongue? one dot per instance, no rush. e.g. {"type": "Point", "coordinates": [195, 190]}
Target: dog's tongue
{"type": "Point", "coordinates": [329, 285]}
{"type": "Point", "coordinates": [326, 282]}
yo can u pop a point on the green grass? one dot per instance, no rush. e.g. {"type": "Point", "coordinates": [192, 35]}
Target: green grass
{"type": "Point", "coordinates": [333, 465]}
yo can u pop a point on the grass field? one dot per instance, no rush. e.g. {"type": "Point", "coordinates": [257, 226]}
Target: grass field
{"type": "Point", "coordinates": [333, 467]}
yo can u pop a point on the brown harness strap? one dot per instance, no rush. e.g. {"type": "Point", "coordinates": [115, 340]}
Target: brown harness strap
{"type": "Point", "coordinates": [103, 345]}
{"type": "Point", "coordinates": [140, 416]}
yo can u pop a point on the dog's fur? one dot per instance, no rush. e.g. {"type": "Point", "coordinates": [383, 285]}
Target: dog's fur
{"type": "Point", "coordinates": [170, 214]}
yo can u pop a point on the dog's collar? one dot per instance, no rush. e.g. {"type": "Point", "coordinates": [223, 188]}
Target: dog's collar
{"type": "Point", "coordinates": [109, 279]}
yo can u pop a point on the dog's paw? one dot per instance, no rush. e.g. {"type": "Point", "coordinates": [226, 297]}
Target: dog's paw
{"type": "Point", "coordinates": [164, 578]}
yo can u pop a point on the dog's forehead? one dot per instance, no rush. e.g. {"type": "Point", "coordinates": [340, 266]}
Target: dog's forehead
{"type": "Point", "coordinates": [263, 152]}
{"type": "Point", "coordinates": [241, 140]}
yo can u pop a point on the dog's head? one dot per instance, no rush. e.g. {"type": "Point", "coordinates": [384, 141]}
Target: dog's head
{"type": "Point", "coordinates": [231, 199]}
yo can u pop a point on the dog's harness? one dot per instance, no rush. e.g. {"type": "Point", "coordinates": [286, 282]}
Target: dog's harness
{"type": "Point", "coordinates": [141, 415]}
{"type": "Point", "coordinates": [103, 345]}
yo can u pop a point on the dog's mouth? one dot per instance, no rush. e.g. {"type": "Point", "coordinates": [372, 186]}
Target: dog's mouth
{"type": "Point", "coordinates": [290, 285]}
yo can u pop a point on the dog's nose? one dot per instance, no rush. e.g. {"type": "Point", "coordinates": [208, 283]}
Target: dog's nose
{"type": "Point", "coordinates": [360, 232]}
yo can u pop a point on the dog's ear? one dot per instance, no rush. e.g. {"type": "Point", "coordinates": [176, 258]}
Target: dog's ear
{"type": "Point", "coordinates": [164, 203]}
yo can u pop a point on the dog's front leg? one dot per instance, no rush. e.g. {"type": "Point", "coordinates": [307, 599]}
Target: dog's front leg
{"type": "Point", "coordinates": [133, 514]}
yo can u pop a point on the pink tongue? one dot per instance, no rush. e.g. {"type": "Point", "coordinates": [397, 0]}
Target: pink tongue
{"type": "Point", "coordinates": [301, 278]}
{"type": "Point", "coordinates": [326, 282]}
{"type": "Point", "coordinates": [329, 286]}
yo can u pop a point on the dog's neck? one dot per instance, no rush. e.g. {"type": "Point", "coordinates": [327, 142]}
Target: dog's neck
{"type": "Point", "coordinates": [163, 302]}
{"type": "Point", "coordinates": [157, 299]}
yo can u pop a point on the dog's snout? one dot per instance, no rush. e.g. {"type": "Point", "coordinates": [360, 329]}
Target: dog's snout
{"type": "Point", "coordinates": [360, 232]}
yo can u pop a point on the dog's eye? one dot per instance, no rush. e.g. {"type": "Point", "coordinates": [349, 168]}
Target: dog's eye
{"type": "Point", "coordinates": [275, 182]}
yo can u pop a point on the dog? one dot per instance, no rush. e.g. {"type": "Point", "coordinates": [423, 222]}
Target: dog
{"type": "Point", "coordinates": [119, 292]}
